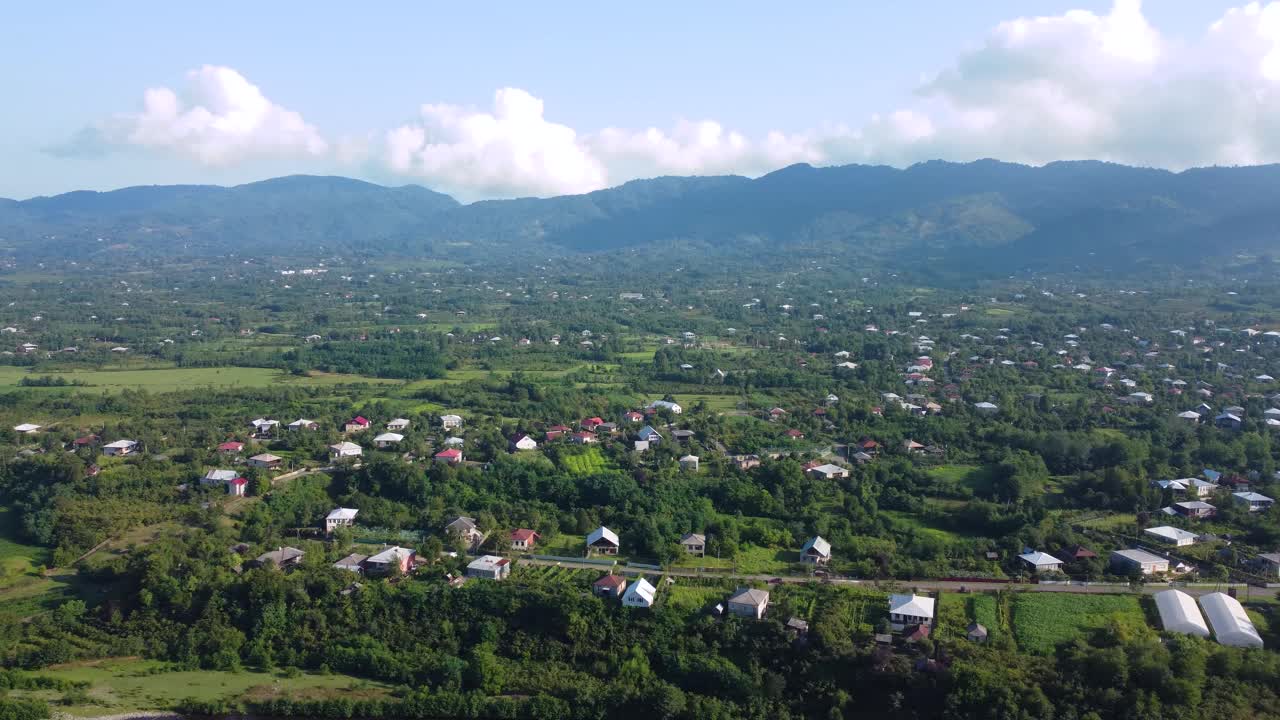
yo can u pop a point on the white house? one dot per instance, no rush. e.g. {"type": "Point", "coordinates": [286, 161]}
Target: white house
{"type": "Point", "coordinates": [389, 560]}
{"type": "Point", "coordinates": [689, 463]}
{"type": "Point", "coordinates": [828, 471]}
{"type": "Point", "coordinates": [303, 424]}
{"type": "Point", "coordinates": [345, 449]}
{"type": "Point", "coordinates": [398, 425]}
{"type": "Point", "coordinates": [120, 447]}
{"type": "Point", "coordinates": [215, 477]}
{"type": "Point", "coordinates": [449, 422]}
{"type": "Point", "coordinates": [749, 603]}
{"type": "Point", "coordinates": [912, 609]}
{"type": "Point", "coordinates": [1041, 561]}
{"type": "Point", "coordinates": [639, 594]}
{"type": "Point", "coordinates": [489, 567]}
{"type": "Point", "coordinates": [522, 441]}
{"type": "Point", "coordinates": [1257, 502]}
{"type": "Point", "coordinates": [1126, 561]}
{"type": "Point", "coordinates": [1172, 535]}
{"type": "Point", "coordinates": [339, 517]}
{"type": "Point", "coordinates": [816, 551]}
{"type": "Point", "coordinates": [387, 440]}
{"type": "Point", "coordinates": [603, 541]}
{"type": "Point", "coordinates": [674, 407]}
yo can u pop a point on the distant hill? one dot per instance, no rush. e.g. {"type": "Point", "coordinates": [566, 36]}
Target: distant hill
{"type": "Point", "coordinates": [984, 215]}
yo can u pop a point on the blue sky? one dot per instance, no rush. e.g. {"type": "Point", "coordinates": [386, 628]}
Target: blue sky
{"type": "Point", "coordinates": [598, 93]}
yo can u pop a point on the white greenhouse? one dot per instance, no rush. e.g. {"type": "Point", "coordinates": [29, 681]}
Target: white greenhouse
{"type": "Point", "coordinates": [1231, 626]}
{"type": "Point", "coordinates": [1179, 613]}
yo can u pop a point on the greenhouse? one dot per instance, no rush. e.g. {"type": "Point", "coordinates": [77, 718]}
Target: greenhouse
{"type": "Point", "coordinates": [1231, 625]}
{"type": "Point", "coordinates": [1179, 613]}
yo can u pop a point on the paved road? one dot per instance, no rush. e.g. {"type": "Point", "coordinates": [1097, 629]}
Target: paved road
{"type": "Point", "coordinates": [948, 585]}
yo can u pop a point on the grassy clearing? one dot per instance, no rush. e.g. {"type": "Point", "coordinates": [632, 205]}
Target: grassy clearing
{"type": "Point", "coordinates": [985, 609]}
{"type": "Point", "coordinates": [122, 685]}
{"type": "Point", "coordinates": [916, 525]}
{"type": "Point", "coordinates": [752, 560]}
{"type": "Point", "coordinates": [587, 462]}
{"type": "Point", "coordinates": [953, 473]}
{"type": "Point", "coordinates": [715, 403]}
{"type": "Point", "coordinates": [1042, 621]}
{"type": "Point", "coordinates": [686, 599]}
{"type": "Point", "coordinates": [16, 557]}
{"type": "Point", "coordinates": [172, 379]}
{"type": "Point", "coordinates": [1112, 521]}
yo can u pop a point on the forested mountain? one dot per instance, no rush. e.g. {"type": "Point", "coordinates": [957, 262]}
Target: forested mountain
{"type": "Point", "coordinates": [985, 214]}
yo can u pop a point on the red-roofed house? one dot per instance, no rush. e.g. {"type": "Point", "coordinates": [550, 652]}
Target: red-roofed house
{"type": "Point", "coordinates": [237, 487]}
{"type": "Point", "coordinates": [610, 586]}
{"type": "Point", "coordinates": [556, 431]}
{"type": "Point", "coordinates": [453, 456]}
{"type": "Point", "coordinates": [231, 447]}
{"type": "Point", "coordinates": [795, 434]}
{"type": "Point", "coordinates": [86, 441]}
{"type": "Point", "coordinates": [633, 416]}
{"type": "Point", "coordinates": [584, 438]}
{"type": "Point", "coordinates": [356, 424]}
{"type": "Point", "coordinates": [523, 539]}
{"type": "Point", "coordinates": [592, 423]}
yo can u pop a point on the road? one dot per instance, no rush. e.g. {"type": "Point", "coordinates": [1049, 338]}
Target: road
{"type": "Point", "coordinates": [933, 585]}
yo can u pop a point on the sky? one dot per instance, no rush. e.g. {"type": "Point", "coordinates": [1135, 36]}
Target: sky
{"type": "Point", "coordinates": [540, 99]}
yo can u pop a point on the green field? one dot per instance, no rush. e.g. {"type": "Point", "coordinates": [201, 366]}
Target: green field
{"type": "Point", "coordinates": [23, 591]}
{"type": "Point", "coordinates": [122, 685]}
{"type": "Point", "coordinates": [715, 403]}
{"type": "Point", "coordinates": [683, 598]}
{"type": "Point", "coordinates": [1043, 620]}
{"type": "Point", "coordinates": [171, 379]}
{"type": "Point", "coordinates": [586, 462]}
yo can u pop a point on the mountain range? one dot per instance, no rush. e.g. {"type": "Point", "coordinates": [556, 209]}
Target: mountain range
{"type": "Point", "coordinates": [985, 214]}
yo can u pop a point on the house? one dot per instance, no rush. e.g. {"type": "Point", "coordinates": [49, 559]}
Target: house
{"type": "Point", "coordinates": [1077, 553]}
{"type": "Point", "coordinates": [640, 594]}
{"type": "Point", "coordinates": [521, 441]}
{"type": "Point", "coordinates": [1256, 501]}
{"type": "Point", "coordinates": [1172, 535]}
{"type": "Point", "coordinates": [1126, 561]}
{"type": "Point", "coordinates": [451, 456]}
{"type": "Point", "coordinates": [120, 447]}
{"type": "Point", "coordinates": [794, 434]}
{"type": "Point", "coordinates": [1175, 486]}
{"type": "Point", "coordinates": [556, 431]}
{"type": "Point", "coordinates": [1190, 416]}
{"type": "Point", "coordinates": [689, 463]}
{"type": "Point", "coordinates": [1195, 509]}
{"type": "Point", "coordinates": [524, 539]}
{"type": "Point", "coordinates": [358, 423]}
{"type": "Point", "coordinates": [1230, 623]}
{"type": "Point", "coordinates": [466, 529]}
{"type": "Point", "coordinates": [591, 423]}
{"type": "Point", "coordinates": [641, 446]}
{"type": "Point", "coordinates": [674, 407]}
{"type": "Point", "coordinates": [394, 559]}
{"type": "Point", "coordinates": [694, 544]}
{"type": "Point", "coordinates": [868, 446]}
{"type": "Point", "coordinates": [1227, 421]}
{"type": "Point", "coordinates": [796, 626]}
{"type": "Point", "coordinates": [489, 567]}
{"type": "Point", "coordinates": [828, 472]}
{"type": "Point", "coordinates": [217, 477]}
{"type": "Point", "coordinates": [582, 437]}
{"type": "Point", "coordinates": [231, 447]}
{"type": "Point", "coordinates": [1041, 561]}
{"type": "Point", "coordinates": [1201, 488]}
{"type": "Point", "coordinates": [339, 517]}
{"type": "Point", "coordinates": [26, 428]}
{"type": "Point", "coordinates": [746, 462]}
{"type": "Point", "coordinates": [398, 425]}
{"type": "Point", "coordinates": [912, 609]}
{"type": "Point", "coordinates": [610, 586]}
{"type": "Point", "coordinates": [303, 424]}
{"type": "Point", "coordinates": [1139, 398]}
{"type": "Point", "coordinates": [816, 551]}
{"type": "Point", "coordinates": [86, 441]}
{"type": "Point", "coordinates": [976, 632]}
{"type": "Point", "coordinates": [648, 434]}
{"type": "Point", "coordinates": [986, 408]}
{"type": "Point", "coordinates": [633, 417]}
{"type": "Point", "coordinates": [344, 450]}
{"type": "Point", "coordinates": [749, 603]}
{"type": "Point", "coordinates": [1270, 564]}
{"type": "Point", "coordinates": [237, 487]}
{"type": "Point", "coordinates": [266, 461]}
{"type": "Point", "coordinates": [682, 435]}
{"type": "Point", "coordinates": [912, 447]}
{"type": "Point", "coordinates": [602, 541]}
{"type": "Point", "coordinates": [1179, 613]}
{"type": "Point", "coordinates": [449, 422]}
{"type": "Point", "coordinates": [387, 440]}
{"type": "Point", "coordinates": [352, 563]}
{"type": "Point", "coordinates": [263, 428]}
{"type": "Point", "coordinates": [284, 557]}
{"type": "Point", "coordinates": [454, 441]}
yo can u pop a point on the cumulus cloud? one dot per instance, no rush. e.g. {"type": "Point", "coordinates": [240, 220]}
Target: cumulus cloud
{"type": "Point", "coordinates": [218, 118]}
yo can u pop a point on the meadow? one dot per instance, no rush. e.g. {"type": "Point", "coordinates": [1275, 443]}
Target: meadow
{"type": "Point", "coordinates": [1043, 620]}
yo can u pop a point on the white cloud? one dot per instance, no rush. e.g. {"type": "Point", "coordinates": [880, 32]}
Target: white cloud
{"type": "Point", "coordinates": [512, 150]}
{"type": "Point", "coordinates": [219, 118]}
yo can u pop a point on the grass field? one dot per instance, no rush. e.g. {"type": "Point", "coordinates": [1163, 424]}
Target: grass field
{"type": "Point", "coordinates": [1042, 620]}
{"type": "Point", "coordinates": [23, 591]}
{"type": "Point", "coordinates": [16, 558]}
{"type": "Point", "coordinates": [715, 403]}
{"type": "Point", "coordinates": [952, 473]}
{"type": "Point", "coordinates": [587, 462]}
{"type": "Point", "coordinates": [684, 598]}
{"type": "Point", "coordinates": [917, 525]}
{"type": "Point", "coordinates": [170, 379]}
{"type": "Point", "coordinates": [128, 684]}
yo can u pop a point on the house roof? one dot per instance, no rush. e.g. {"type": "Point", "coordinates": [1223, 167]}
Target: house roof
{"type": "Point", "coordinates": [1252, 497]}
{"type": "Point", "coordinates": [345, 447]}
{"type": "Point", "coordinates": [449, 454]}
{"type": "Point", "coordinates": [1170, 533]}
{"type": "Point", "coordinates": [281, 555]}
{"type": "Point", "coordinates": [828, 469]}
{"type": "Point", "coordinates": [359, 420]}
{"type": "Point", "coordinates": [342, 514]}
{"type": "Point", "coordinates": [695, 538]}
{"type": "Point", "coordinates": [1141, 557]}
{"type": "Point", "coordinates": [231, 445]}
{"type": "Point", "coordinates": [121, 444]}
{"type": "Point", "coordinates": [266, 457]}
{"type": "Point", "coordinates": [464, 524]}
{"type": "Point", "coordinates": [976, 630]}
{"type": "Point", "coordinates": [523, 534]}
{"type": "Point", "coordinates": [394, 554]}
{"type": "Point", "coordinates": [602, 532]}
{"type": "Point", "coordinates": [818, 544]}
{"type": "Point", "coordinates": [912, 605]}
{"type": "Point", "coordinates": [220, 475]}
{"type": "Point", "coordinates": [488, 563]}
{"type": "Point", "coordinates": [389, 437]}
{"type": "Point", "coordinates": [1038, 558]}
{"type": "Point", "coordinates": [300, 422]}
{"type": "Point", "coordinates": [351, 562]}
{"type": "Point", "coordinates": [610, 581]}
{"type": "Point", "coordinates": [750, 596]}
{"type": "Point", "coordinates": [642, 589]}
